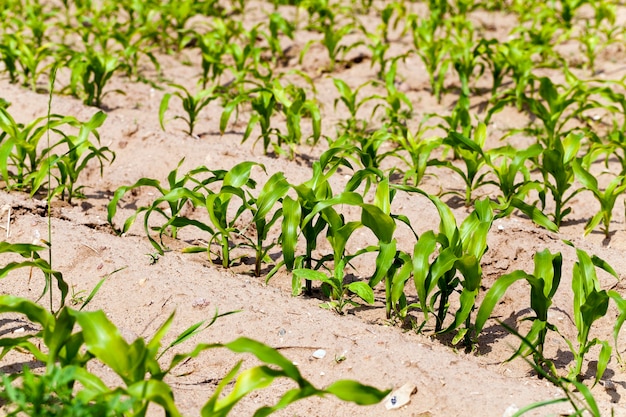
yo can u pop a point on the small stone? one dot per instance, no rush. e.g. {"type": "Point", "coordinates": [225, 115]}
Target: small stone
{"type": "Point", "coordinates": [319, 354]}
{"type": "Point", "coordinates": [510, 411]}
{"type": "Point", "coordinates": [282, 332]}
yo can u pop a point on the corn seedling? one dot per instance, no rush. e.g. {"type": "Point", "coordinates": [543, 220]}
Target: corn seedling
{"type": "Point", "coordinates": [266, 101]}
{"type": "Point", "coordinates": [24, 164]}
{"type": "Point", "coordinates": [92, 70]}
{"type": "Point", "coordinates": [512, 175]}
{"type": "Point", "coordinates": [69, 165]}
{"type": "Point", "coordinates": [175, 195]}
{"type": "Point", "coordinates": [217, 205]}
{"type": "Point", "coordinates": [419, 150]}
{"type": "Point", "coordinates": [34, 262]}
{"type": "Point", "coordinates": [544, 283]}
{"type": "Point", "coordinates": [373, 216]}
{"type": "Point", "coordinates": [349, 98]}
{"type": "Point", "coordinates": [438, 257]}
{"type": "Point", "coordinates": [464, 56]}
{"type": "Point", "coordinates": [278, 25]}
{"type": "Point", "coordinates": [295, 211]}
{"type": "Point", "coordinates": [590, 304]}
{"type": "Point", "coordinates": [213, 46]}
{"type": "Point", "coordinates": [397, 106]}
{"type": "Point", "coordinates": [471, 153]}
{"type": "Point", "coordinates": [558, 174]}
{"type": "Point", "coordinates": [333, 34]}
{"type": "Point", "coordinates": [192, 105]}
{"type": "Point", "coordinates": [606, 197]}
{"type": "Point", "coordinates": [432, 49]}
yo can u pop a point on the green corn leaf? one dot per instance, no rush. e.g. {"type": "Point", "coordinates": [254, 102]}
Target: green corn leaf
{"type": "Point", "coordinates": [355, 392]}
{"type": "Point", "coordinates": [34, 312]}
{"type": "Point", "coordinates": [26, 250]}
{"type": "Point", "coordinates": [467, 300]}
{"type": "Point", "coordinates": [266, 354]}
{"type": "Point", "coordinates": [155, 391]}
{"type": "Point", "coordinates": [595, 307]}
{"type": "Point", "coordinates": [548, 270]}
{"type": "Point", "coordinates": [239, 174]}
{"type": "Point", "coordinates": [382, 198]}
{"type": "Point", "coordinates": [292, 213]}
{"type": "Point", "coordinates": [210, 407]}
{"type": "Point", "coordinates": [619, 322]}
{"type": "Point", "coordinates": [603, 360]}
{"type": "Point", "coordinates": [378, 221]}
{"type": "Point", "coordinates": [535, 214]}
{"type": "Point", "coordinates": [539, 404]}
{"type": "Point", "coordinates": [399, 279]}
{"type": "Point", "coordinates": [163, 108]}
{"type": "Point", "coordinates": [248, 381]}
{"type": "Point", "coordinates": [494, 295]}
{"type": "Point", "coordinates": [227, 111]}
{"type": "Point", "coordinates": [339, 237]}
{"type": "Point", "coordinates": [585, 178]}
{"type": "Point", "coordinates": [275, 189]}
{"type": "Point", "coordinates": [422, 279]}
{"type": "Point", "coordinates": [363, 290]}
{"type": "Point", "coordinates": [349, 198]}
{"type": "Point", "coordinates": [589, 398]}
{"type": "Point", "coordinates": [602, 264]}
{"type": "Point", "coordinates": [120, 192]}
{"type": "Point", "coordinates": [384, 260]}
{"type": "Point", "coordinates": [105, 342]}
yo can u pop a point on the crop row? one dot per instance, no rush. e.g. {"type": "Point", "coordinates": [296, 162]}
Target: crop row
{"type": "Point", "coordinates": [577, 132]}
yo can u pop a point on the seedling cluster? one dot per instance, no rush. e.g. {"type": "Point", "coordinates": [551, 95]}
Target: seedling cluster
{"type": "Point", "coordinates": [575, 130]}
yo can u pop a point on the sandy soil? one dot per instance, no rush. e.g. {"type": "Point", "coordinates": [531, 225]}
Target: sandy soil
{"type": "Point", "coordinates": [143, 292]}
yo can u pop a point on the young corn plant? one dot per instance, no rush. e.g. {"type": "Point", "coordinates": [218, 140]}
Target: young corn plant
{"type": "Point", "coordinates": [465, 54]}
{"type": "Point", "coordinates": [375, 216]}
{"type": "Point", "coordinates": [349, 98]}
{"type": "Point", "coordinates": [433, 49]}
{"type": "Point", "coordinates": [92, 70]}
{"type": "Point", "coordinates": [333, 34]}
{"type": "Point", "coordinates": [268, 100]}
{"type": "Point", "coordinates": [607, 197]}
{"type": "Point", "coordinates": [439, 259]}
{"type": "Point", "coordinates": [213, 46]}
{"type": "Point", "coordinates": [508, 164]}
{"type": "Point", "coordinates": [397, 106]}
{"type": "Point", "coordinates": [69, 165]}
{"type": "Point", "coordinates": [471, 153]}
{"type": "Point", "coordinates": [176, 194]}
{"type": "Point", "coordinates": [544, 283]}
{"type": "Point", "coordinates": [236, 183]}
{"type": "Point", "coordinates": [24, 164]}
{"type": "Point", "coordinates": [271, 194]}
{"type": "Point", "coordinates": [192, 105]}
{"type": "Point", "coordinates": [492, 55]}
{"type": "Point", "coordinates": [590, 304]}
{"type": "Point", "coordinates": [562, 107]}
{"type": "Point", "coordinates": [278, 25]}
{"type": "Point", "coordinates": [558, 175]}
{"type": "Point", "coordinates": [309, 194]}
{"type": "Point", "coordinates": [247, 60]}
